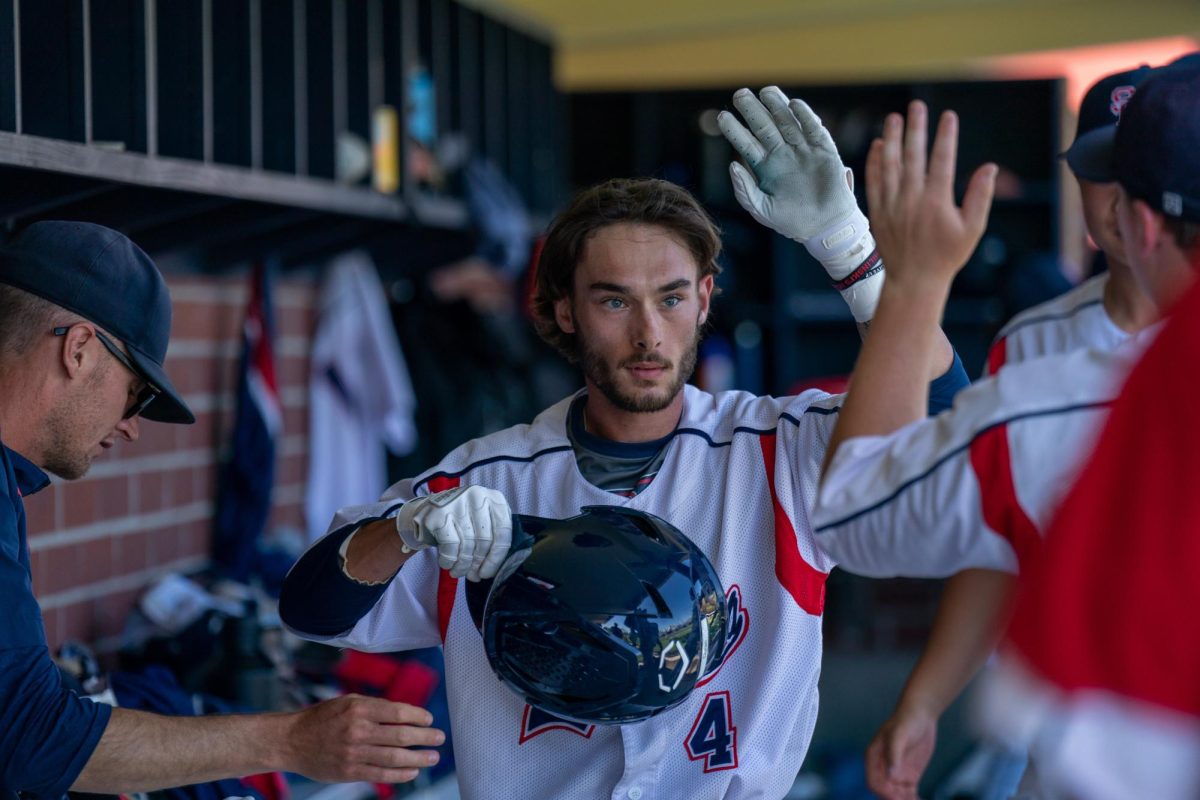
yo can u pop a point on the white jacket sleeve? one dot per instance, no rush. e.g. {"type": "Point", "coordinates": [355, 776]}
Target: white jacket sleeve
{"type": "Point", "coordinates": [974, 486]}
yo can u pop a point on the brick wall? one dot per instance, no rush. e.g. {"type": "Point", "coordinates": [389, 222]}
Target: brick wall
{"type": "Point", "coordinates": [146, 507]}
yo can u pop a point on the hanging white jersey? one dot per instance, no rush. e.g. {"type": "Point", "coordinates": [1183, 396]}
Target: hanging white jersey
{"type": "Point", "coordinates": [1072, 321]}
{"type": "Point", "coordinates": [739, 475]}
{"type": "Point", "coordinates": [974, 486]}
{"type": "Point", "coordinates": [361, 401]}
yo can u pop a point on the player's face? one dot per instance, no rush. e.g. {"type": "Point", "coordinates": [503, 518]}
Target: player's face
{"type": "Point", "coordinates": [637, 310]}
{"type": "Point", "coordinates": [1100, 214]}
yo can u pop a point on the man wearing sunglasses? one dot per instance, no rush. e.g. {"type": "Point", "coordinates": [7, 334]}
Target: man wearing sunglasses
{"type": "Point", "coordinates": [84, 323]}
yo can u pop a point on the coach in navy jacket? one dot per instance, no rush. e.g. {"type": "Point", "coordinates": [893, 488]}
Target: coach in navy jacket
{"type": "Point", "coordinates": [84, 323]}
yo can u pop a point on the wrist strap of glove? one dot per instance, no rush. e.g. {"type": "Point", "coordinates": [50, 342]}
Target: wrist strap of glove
{"type": "Point", "coordinates": [839, 239]}
{"type": "Point", "coordinates": [861, 283]}
{"type": "Point", "coordinates": [409, 538]}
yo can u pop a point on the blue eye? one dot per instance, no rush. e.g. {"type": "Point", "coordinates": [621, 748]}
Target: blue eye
{"type": "Point", "coordinates": [613, 302]}
{"type": "Point", "coordinates": [672, 301]}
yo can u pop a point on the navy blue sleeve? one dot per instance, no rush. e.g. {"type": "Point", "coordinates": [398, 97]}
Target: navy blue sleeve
{"type": "Point", "coordinates": [47, 732]}
{"type": "Point", "coordinates": [943, 388]}
{"type": "Point", "coordinates": [318, 598]}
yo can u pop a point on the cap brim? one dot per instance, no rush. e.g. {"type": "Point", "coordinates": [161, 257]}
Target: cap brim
{"type": "Point", "coordinates": [168, 406]}
{"type": "Point", "coordinates": [1090, 156]}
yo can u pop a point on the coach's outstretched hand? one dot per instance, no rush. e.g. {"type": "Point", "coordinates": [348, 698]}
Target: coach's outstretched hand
{"type": "Point", "coordinates": [920, 231]}
{"type": "Point", "coordinates": [798, 186]}
{"type": "Point", "coordinates": [356, 738]}
{"type": "Point", "coordinates": [470, 526]}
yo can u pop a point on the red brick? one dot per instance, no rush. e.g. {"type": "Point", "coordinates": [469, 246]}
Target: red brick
{"type": "Point", "coordinates": [290, 470]}
{"type": "Point", "coordinates": [93, 499]}
{"type": "Point", "coordinates": [132, 552]}
{"type": "Point", "coordinates": [295, 420]}
{"type": "Point", "coordinates": [223, 380]}
{"type": "Point", "coordinates": [59, 570]}
{"type": "Point", "coordinates": [288, 515]}
{"type": "Point", "coordinates": [195, 538]}
{"type": "Point", "coordinates": [93, 560]}
{"type": "Point", "coordinates": [79, 500]}
{"type": "Point", "coordinates": [291, 371]}
{"type": "Point", "coordinates": [194, 374]}
{"type": "Point", "coordinates": [295, 321]}
{"type": "Point", "coordinates": [296, 293]}
{"type": "Point", "coordinates": [154, 492]}
{"type": "Point", "coordinates": [183, 485]}
{"type": "Point", "coordinates": [166, 546]}
{"type": "Point", "coordinates": [112, 498]}
{"type": "Point", "coordinates": [199, 434]}
{"type": "Point", "coordinates": [204, 483]}
{"type": "Point", "coordinates": [206, 320]}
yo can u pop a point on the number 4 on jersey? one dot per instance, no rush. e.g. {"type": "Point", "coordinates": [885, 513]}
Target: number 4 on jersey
{"type": "Point", "coordinates": [713, 736]}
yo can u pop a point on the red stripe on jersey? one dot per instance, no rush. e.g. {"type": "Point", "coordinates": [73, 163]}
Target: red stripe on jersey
{"type": "Point", "coordinates": [1001, 510]}
{"type": "Point", "coordinates": [997, 356]}
{"type": "Point", "coordinates": [447, 589]}
{"type": "Point", "coordinates": [804, 582]}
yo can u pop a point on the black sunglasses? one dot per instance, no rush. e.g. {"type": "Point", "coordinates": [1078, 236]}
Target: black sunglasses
{"type": "Point", "coordinates": [149, 392]}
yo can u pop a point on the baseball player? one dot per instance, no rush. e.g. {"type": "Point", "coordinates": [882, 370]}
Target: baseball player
{"type": "Point", "coordinates": [624, 286]}
{"type": "Point", "coordinates": [976, 486]}
{"type": "Point", "coordinates": [1102, 312]}
{"type": "Point", "coordinates": [1111, 711]}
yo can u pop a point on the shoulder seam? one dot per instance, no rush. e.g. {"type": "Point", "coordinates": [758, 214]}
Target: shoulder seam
{"type": "Point", "coordinates": [489, 460]}
{"type": "Point", "coordinates": [756, 431]}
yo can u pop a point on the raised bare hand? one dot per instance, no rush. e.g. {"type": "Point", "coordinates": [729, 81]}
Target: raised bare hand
{"type": "Point", "coordinates": [922, 234]}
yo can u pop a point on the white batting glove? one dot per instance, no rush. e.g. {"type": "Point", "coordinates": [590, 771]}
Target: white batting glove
{"type": "Point", "coordinates": [800, 188]}
{"type": "Point", "coordinates": [470, 526]}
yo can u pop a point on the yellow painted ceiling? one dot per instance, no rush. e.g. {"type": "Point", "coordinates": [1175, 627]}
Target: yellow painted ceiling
{"type": "Point", "coordinates": [614, 44]}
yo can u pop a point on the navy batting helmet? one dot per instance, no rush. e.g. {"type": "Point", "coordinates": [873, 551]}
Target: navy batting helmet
{"type": "Point", "coordinates": [608, 617]}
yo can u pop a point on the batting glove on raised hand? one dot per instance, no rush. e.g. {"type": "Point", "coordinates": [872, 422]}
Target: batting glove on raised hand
{"type": "Point", "coordinates": [798, 186]}
{"type": "Point", "coordinates": [470, 526]}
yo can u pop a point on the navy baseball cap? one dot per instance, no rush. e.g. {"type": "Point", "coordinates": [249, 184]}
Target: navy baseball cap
{"type": "Point", "coordinates": [1156, 147]}
{"type": "Point", "coordinates": [103, 277]}
{"type": "Point", "coordinates": [1090, 155]}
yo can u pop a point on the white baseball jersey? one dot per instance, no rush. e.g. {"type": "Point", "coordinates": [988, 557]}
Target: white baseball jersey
{"type": "Point", "coordinates": [1071, 321]}
{"type": "Point", "coordinates": [738, 478]}
{"type": "Point", "coordinates": [976, 485]}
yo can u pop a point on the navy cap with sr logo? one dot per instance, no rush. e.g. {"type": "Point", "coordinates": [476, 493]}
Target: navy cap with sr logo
{"type": "Point", "coordinates": [105, 278]}
{"type": "Point", "coordinates": [1090, 155]}
{"type": "Point", "coordinates": [1156, 150]}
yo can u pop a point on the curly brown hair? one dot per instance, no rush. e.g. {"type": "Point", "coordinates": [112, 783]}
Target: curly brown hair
{"type": "Point", "coordinates": [648, 201]}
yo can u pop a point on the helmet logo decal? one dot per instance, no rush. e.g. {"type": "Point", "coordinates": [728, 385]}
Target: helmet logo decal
{"type": "Point", "coordinates": [737, 624]}
{"type": "Point", "coordinates": [669, 663]}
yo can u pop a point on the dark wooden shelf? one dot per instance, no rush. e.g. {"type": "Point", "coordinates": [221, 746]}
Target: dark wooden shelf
{"type": "Point", "coordinates": [177, 174]}
{"type": "Point", "coordinates": [212, 129]}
